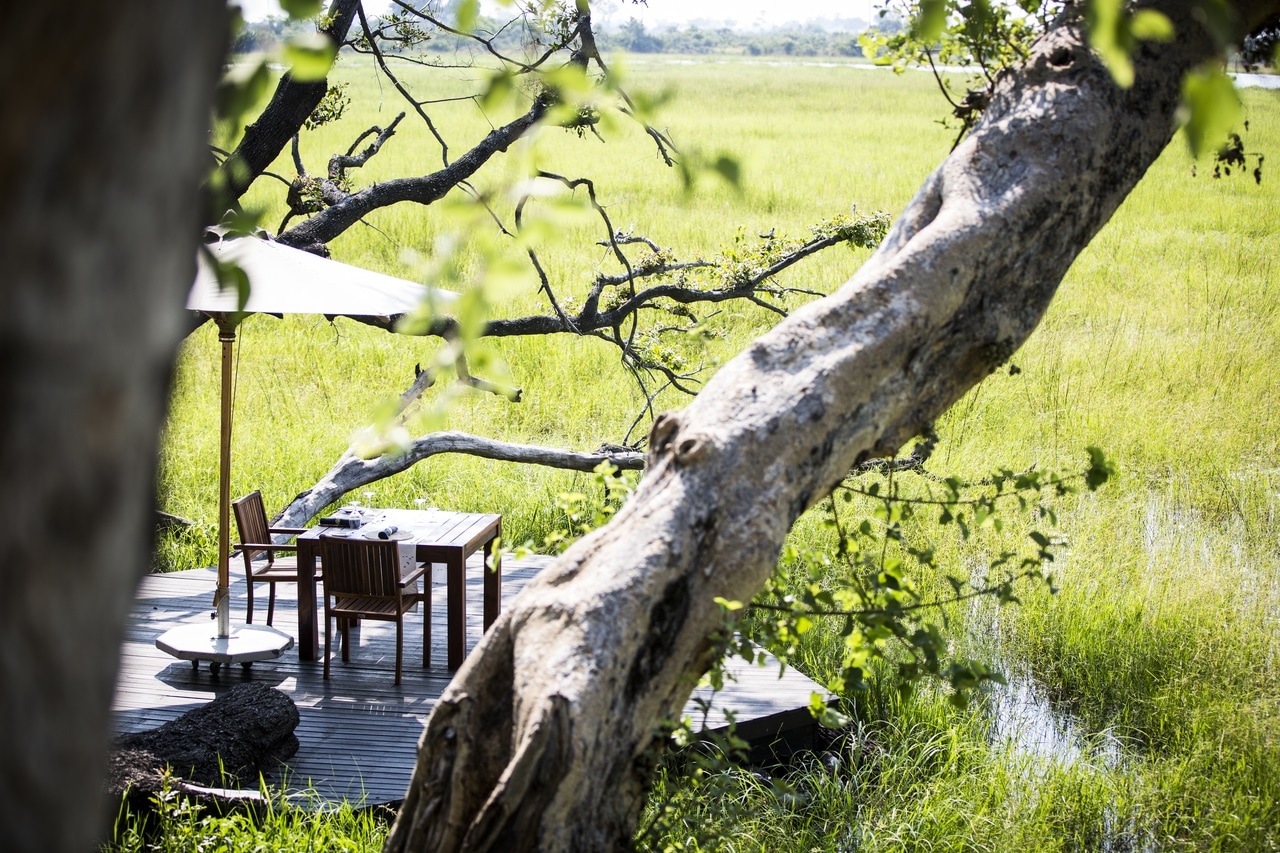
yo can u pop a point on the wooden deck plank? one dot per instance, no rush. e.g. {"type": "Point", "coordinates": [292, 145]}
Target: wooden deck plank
{"type": "Point", "coordinates": [358, 732]}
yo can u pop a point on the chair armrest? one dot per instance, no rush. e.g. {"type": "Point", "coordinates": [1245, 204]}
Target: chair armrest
{"type": "Point", "coordinates": [292, 531]}
{"type": "Point", "coordinates": [270, 548]}
{"type": "Point", "coordinates": [419, 570]}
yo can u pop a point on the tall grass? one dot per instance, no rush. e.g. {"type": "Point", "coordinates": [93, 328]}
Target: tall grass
{"type": "Point", "coordinates": [173, 824]}
{"type": "Point", "coordinates": [1160, 652]}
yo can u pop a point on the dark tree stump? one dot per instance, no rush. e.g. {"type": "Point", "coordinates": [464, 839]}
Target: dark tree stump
{"type": "Point", "coordinates": [167, 521]}
{"type": "Point", "coordinates": [246, 731]}
{"type": "Point", "coordinates": [207, 752]}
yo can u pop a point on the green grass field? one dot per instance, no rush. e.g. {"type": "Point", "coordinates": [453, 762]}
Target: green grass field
{"type": "Point", "coordinates": [1155, 667]}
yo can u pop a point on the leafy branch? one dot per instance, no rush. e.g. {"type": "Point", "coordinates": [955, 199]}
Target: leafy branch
{"type": "Point", "coordinates": [871, 579]}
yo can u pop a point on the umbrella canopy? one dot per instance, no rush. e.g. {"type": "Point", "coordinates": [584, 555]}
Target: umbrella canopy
{"type": "Point", "coordinates": [282, 280]}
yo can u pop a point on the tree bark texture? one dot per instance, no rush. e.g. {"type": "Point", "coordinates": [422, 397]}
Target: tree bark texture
{"type": "Point", "coordinates": [103, 128]}
{"type": "Point", "coordinates": [544, 738]}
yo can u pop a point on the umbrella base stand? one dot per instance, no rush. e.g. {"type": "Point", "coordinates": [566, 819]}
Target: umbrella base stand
{"type": "Point", "coordinates": [243, 644]}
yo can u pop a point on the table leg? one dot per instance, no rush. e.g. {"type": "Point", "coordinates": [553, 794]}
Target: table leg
{"type": "Point", "coordinates": [308, 637]}
{"type": "Point", "coordinates": [492, 582]}
{"type": "Point", "coordinates": [456, 608]}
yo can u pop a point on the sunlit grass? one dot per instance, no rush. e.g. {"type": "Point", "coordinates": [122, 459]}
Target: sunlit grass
{"type": "Point", "coordinates": [172, 825]}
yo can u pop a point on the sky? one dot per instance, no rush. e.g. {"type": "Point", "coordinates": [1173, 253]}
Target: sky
{"type": "Point", "coordinates": [746, 13]}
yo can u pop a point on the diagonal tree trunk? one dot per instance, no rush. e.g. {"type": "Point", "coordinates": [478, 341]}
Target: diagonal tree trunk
{"type": "Point", "coordinates": [103, 126]}
{"type": "Point", "coordinates": [543, 739]}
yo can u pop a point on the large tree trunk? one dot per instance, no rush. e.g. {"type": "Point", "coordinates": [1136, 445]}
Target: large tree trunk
{"type": "Point", "coordinates": [102, 148]}
{"type": "Point", "coordinates": [542, 740]}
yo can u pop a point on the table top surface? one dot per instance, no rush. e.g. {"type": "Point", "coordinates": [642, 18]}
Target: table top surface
{"type": "Point", "coordinates": [430, 527]}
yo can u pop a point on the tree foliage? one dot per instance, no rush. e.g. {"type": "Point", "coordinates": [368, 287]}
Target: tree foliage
{"type": "Point", "coordinates": [867, 584]}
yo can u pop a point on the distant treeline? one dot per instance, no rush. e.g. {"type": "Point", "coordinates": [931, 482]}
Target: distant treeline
{"type": "Point", "coordinates": [806, 41]}
{"type": "Point", "coordinates": [267, 35]}
{"type": "Point", "coordinates": [838, 40]}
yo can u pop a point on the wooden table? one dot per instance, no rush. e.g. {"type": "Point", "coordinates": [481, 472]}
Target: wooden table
{"type": "Point", "coordinates": [440, 537]}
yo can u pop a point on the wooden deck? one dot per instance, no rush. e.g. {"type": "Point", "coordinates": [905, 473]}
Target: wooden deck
{"type": "Point", "coordinates": [358, 732]}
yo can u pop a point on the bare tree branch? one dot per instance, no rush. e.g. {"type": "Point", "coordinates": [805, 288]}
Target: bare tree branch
{"type": "Point", "coordinates": [587, 38]}
{"type": "Point", "coordinates": [400, 87]}
{"type": "Point", "coordinates": [292, 102]}
{"type": "Point", "coordinates": [487, 43]}
{"type": "Point", "coordinates": [333, 220]}
{"type": "Point", "coordinates": [733, 284]}
{"type": "Point", "coordinates": [351, 472]}
{"type": "Point", "coordinates": [338, 164]}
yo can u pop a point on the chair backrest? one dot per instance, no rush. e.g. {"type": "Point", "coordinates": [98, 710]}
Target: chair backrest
{"type": "Point", "coordinates": [363, 567]}
{"type": "Point", "coordinates": [251, 519]}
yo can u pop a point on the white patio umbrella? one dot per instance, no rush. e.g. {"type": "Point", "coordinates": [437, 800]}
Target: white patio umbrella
{"type": "Point", "coordinates": [282, 280]}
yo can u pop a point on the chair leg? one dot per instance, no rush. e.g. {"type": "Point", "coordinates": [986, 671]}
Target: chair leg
{"type": "Point", "coordinates": [399, 645]}
{"type": "Point", "coordinates": [328, 635]}
{"type": "Point", "coordinates": [346, 640]}
{"type": "Point", "coordinates": [248, 616]}
{"type": "Point", "coordinates": [426, 623]}
{"type": "Point", "coordinates": [271, 602]}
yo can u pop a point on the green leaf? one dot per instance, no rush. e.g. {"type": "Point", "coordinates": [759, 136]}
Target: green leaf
{"type": "Point", "coordinates": [827, 716]}
{"type": "Point", "coordinates": [1110, 36]}
{"type": "Point", "coordinates": [505, 278]}
{"type": "Point", "coordinates": [1100, 468]}
{"type": "Point", "coordinates": [729, 169]}
{"type": "Point", "coordinates": [468, 14]}
{"type": "Point", "coordinates": [302, 9]}
{"type": "Point", "coordinates": [235, 20]}
{"type": "Point", "coordinates": [871, 43]}
{"type": "Point", "coordinates": [310, 56]}
{"type": "Point", "coordinates": [240, 89]}
{"type": "Point", "coordinates": [1212, 108]}
{"type": "Point", "coordinates": [570, 80]}
{"type": "Point", "coordinates": [1150, 25]}
{"type": "Point", "coordinates": [242, 221]}
{"type": "Point", "coordinates": [230, 275]}
{"type": "Point", "coordinates": [498, 89]}
{"type": "Point", "coordinates": [1114, 34]}
{"type": "Point", "coordinates": [930, 20]}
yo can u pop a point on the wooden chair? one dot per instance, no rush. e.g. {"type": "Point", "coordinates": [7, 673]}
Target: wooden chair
{"type": "Point", "coordinates": [263, 562]}
{"type": "Point", "coordinates": [363, 580]}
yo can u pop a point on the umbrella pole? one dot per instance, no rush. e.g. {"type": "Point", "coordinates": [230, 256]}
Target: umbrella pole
{"type": "Point", "coordinates": [250, 642]}
{"type": "Point", "coordinates": [222, 596]}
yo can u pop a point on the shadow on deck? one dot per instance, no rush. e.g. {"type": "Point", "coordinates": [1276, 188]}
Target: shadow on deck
{"type": "Point", "coordinates": [358, 732]}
